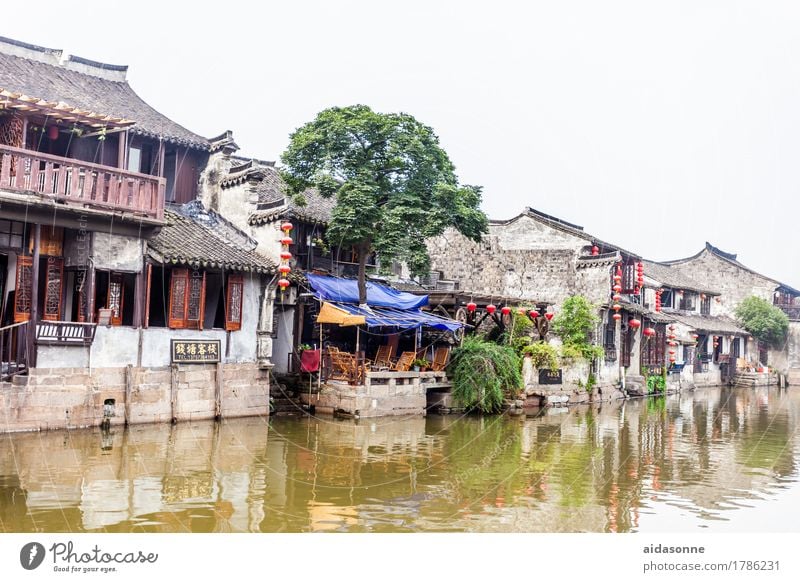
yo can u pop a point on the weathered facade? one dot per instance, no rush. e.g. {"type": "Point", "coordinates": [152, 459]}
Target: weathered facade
{"type": "Point", "coordinates": [736, 282]}
{"type": "Point", "coordinates": [100, 278]}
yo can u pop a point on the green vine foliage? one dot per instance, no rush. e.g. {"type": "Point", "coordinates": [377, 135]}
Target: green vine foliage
{"type": "Point", "coordinates": [656, 384]}
{"type": "Point", "coordinates": [484, 374]}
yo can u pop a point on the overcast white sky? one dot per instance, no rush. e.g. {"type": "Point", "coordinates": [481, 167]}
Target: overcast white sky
{"type": "Point", "coordinates": [655, 125]}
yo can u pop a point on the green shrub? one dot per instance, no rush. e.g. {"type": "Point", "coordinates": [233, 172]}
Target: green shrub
{"type": "Point", "coordinates": [543, 355]}
{"type": "Point", "coordinates": [573, 324]}
{"type": "Point", "coordinates": [484, 374]}
{"type": "Point", "coordinates": [766, 322]}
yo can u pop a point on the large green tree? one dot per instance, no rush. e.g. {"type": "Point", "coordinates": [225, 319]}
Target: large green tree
{"type": "Point", "coordinates": [761, 318]}
{"type": "Point", "coordinates": [394, 184]}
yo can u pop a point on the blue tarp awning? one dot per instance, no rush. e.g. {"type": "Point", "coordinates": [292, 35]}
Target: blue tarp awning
{"type": "Point", "coordinates": [387, 307]}
{"type": "Point", "coordinates": [346, 291]}
{"type": "Point", "coordinates": [399, 318]}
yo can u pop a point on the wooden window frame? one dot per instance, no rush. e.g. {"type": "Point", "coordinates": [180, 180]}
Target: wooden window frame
{"type": "Point", "coordinates": [52, 293]}
{"type": "Point", "coordinates": [178, 314]}
{"type": "Point", "coordinates": [23, 262]}
{"type": "Point", "coordinates": [116, 279]}
{"type": "Point", "coordinates": [231, 323]}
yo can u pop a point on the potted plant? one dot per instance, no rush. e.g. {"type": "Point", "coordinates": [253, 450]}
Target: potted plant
{"type": "Point", "coordinates": [420, 364]}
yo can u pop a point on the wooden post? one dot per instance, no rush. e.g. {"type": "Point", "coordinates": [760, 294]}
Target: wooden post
{"type": "Point", "coordinates": [90, 284]}
{"type": "Point", "coordinates": [218, 392]}
{"type": "Point", "coordinates": [128, 391]}
{"type": "Point", "coordinates": [122, 151]}
{"type": "Point", "coordinates": [31, 335]}
{"type": "Point", "coordinates": [173, 393]}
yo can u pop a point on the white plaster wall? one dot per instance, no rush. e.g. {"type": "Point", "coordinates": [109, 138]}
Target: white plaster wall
{"type": "Point", "coordinates": [283, 344]}
{"type": "Point", "coordinates": [115, 347]}
{"type": "Point", "coordinates": [118, 253]}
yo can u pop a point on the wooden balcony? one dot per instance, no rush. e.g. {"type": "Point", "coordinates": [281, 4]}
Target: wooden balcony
{"type": "Point", "coordinates": [78, 183]}
{"type": "Point", "coordinates": [791, 310]}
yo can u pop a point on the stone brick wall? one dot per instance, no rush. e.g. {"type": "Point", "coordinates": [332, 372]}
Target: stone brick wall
{"type": "Point", "coordinates": [734, 283]}
{"type": "Point", "coordinates": [52, 398]}
{"type": "Point", "coordinates": [521, 258]}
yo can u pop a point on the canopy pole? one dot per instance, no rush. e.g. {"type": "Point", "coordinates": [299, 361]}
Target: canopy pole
{"type": "Point", "coordinates": [358, 339]}
{"type": "Point", "coordinates": [321, 361]}
{"type": "Point", "coordinates": [416, 341]}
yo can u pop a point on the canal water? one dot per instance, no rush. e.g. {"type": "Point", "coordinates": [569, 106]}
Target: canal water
{"type": "Point", "coordinates": [709, 460]}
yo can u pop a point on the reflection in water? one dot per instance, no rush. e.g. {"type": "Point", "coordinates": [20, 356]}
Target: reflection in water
{"type": "Point", "coordinates": [711, 459]}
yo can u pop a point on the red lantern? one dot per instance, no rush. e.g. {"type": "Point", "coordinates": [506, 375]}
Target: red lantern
{"type": "Point", "coordinates": [617, 316]}
{"type": "Point", "coordinates": [284, 269]}
{"type": "Point", "coordinates": [549, 316]}
{"type": "Point", "coordinates": [505, 310]}
{"type": "Point", "coordinates": [286, 255]}
{"type": "Point", "coordinates": [490, 309]}
{"type": "Point", "coordinates": [533, 314]}
{"type": "Point", "coordinates": [672, 359]}
{"type": "Point", "coordinates": [616, 307]}
{"type": "Point", "coordinates": [521, 311]}
{"type": "Point", "coordinates": [52, 132]}
{"type": "Point", "coordinates": [649, 332]}
{"type": "Point", "coordinates": [283, 283]}
{"type": "Point", "coordinates": [287, 240]}
{"type": "Point", "coordinates": [617, 277]}
{"type": "Point", "coordinates": [286, 227]}
{"type": "Point", "coordinates": [695, 336]}
{"type": "Point", "coordinates": [635, 323]}
{"type": "Point", "coordinates": [617, 297]}
{"type": "Point", "coordinates": [471, 307]}
{"type": "Point", "coordinates": [595, 251]}
{"type": "Point", "coordinates": [617, 288]}
{"type": "Point", "coordinates": [702, 295]}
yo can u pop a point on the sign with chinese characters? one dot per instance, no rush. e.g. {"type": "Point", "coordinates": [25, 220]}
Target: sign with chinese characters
{"type": "Point", "coordinates": [550, 377]}
{"type": "Point", "coordinates": [195, 351]}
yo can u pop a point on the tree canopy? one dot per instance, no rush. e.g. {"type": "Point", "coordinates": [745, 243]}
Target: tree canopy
{"type": "Point", "coordinates": [394, 184]}
{"type": "Point", "coordinates": [766, 322]}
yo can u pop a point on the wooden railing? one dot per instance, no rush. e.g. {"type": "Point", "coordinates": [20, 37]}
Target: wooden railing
{"type": "Point", "coordinates": [13, 350]}
{"type": "Point", "coordinates": [791, 311]}
{"type": "Point", "coordinates": [65, 333]}
{"type": "Point", "coordinates": [81, 183]}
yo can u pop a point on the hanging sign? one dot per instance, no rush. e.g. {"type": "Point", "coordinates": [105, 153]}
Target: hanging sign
{"type": "Point", "coordinates": [195, 351]}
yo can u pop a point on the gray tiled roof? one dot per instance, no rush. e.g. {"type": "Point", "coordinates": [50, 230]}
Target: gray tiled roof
{"type": "Point", "coordinates": [672, 277]}
{"type": "Point", "coordinates": [273, 202]}
{"type": "Point", "coordinates": [186, 241]}
{"type": "Point", "coordinates": [712, 323]}
{"type": "Point", "coordinates": [57, 83]}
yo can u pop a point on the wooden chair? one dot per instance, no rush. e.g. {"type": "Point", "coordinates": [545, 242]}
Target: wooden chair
{"type": "Point", "coordinates": [383, 357]}
{"type": "Point", "coordinates": [404, 362]}
{"type": "Point", "coordinates": [440, 357]}
{"type": "Point", "coordinates": [345, 367]}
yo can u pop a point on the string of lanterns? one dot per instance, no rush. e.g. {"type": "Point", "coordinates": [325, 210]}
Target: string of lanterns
{"type": "Point", "coordinates": [617, 289]}
{"type": "Point", "coordinates": [672, 343]}
{"type": "Point", "coordinates": [284, 269]}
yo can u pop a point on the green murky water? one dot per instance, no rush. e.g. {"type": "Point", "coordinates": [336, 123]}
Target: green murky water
{"type": "Point", "coordinates": [720, 459]}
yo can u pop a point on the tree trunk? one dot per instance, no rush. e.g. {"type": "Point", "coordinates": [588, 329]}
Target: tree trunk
{"type": "Point", "coordinates": [363, 250]}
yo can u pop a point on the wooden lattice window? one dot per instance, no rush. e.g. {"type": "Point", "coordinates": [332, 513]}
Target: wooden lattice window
{"type": "Point", "coordinates": [233, 305]}
{"type": "Point", "coordinates": [187, 298]}
{"type": "Point", "coordinates": [22, 296]}
{"type": "Point", "coordinates": [116, 298]}
{"type": "Point", "coordinates": [54, 280]}
{"type": "Point", "coordinates": [654, 349]}
{"type": "Point", "coordinates": [81, 292]}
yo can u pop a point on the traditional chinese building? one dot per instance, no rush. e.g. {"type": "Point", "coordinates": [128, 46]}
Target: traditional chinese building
{"type": "Point", "coordinates": [98, 277]}
{"type": "Point", "coordinates": [736, 281]}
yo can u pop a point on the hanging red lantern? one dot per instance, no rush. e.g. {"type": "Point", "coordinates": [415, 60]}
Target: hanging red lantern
{"type": "Point", "coordinates": [617, 277]}
{"type": "Point", "coordinates": [521, 311]}
{"type": "Point", "coordinates": [286, 255]}
{"type": "Point", "coordinates": [617, 288]}
{"type": "Point", "coordinates": [286, 227]}
{"type": "Point", "coordinates": [672, 343]}
{"type": "Point", "coordinates": [649, 332]}
{"type": "Point", "coordinates": [617, 316]}
{"type": "Point", "coordinates": [634, 323]}
{"type": "Point", "coordinates": [284, 269]}
{"type": "Point", "coordinates": [52, 133]}
{"type": "Point", "coordinates": [617, 297]}
{"type": "Point", "coordinates": [616, 307]}
{"type": "Point", "coordinates": [671, 352]}
{"type": "Point", "coordinates": [505, 310]}
{"type": "Point", "coordinates": [702, 295]}
{"type": "Point", "coordinates": [549, 316]}
{"type": "Point", "coordinates": [595, 250]}
{"type": "Point", "coordinates": [283, 283]}
{"type": "Point", "coordinates": [287, 240]}
{"type": "Point", "coordinates": [672, 359]}
{"type": "Point", "coordinates": [471, 307]}
{"type": "Point", "coordinates": [695, 336]}
{"type": "Point", "coordinates": [490, 309]}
